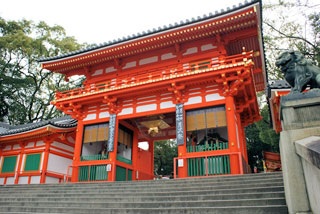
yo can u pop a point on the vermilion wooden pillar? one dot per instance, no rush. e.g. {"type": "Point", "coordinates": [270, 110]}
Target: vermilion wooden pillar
{"type": "Point", "coordinates": [151, 150]}
{"type": "Point", "coordinates": [232, 135]}
{"type": "Point", "coordinates": [77, 151]}
{"type": "Point", "coordinates": [135, 150]}
{"type": "Point", "coordinates": [182, 170]}
{"type": "Point", "coordinates": [45, 161]}
{"type": "Point", "coordinates": [17, 172]}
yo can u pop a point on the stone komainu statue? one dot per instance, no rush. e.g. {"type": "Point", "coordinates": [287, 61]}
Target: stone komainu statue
{"type": "Point", "coordinates": [298, 71]}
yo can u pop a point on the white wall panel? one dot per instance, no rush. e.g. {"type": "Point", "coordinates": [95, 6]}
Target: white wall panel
{"type": "Point", "coordinates": [23, 180]}
{"type": "Point", "coordinates": [213, 97]}
{"type": "Point", "coordinates": [144, 108]}
{"type": "Point", "coordinates": [40, 143]}
{"type": "Point", "coordinates": [97, 72]}
{"type": "Point", "coordinates": [194, 100]}
{"type": "Point", "coordinates": [35, 180]}
{"type": "Point", "coordinates": [126, 111]}
{"type": "Point", "coordinates": [10, 180]}
{"type": "Point", "coordinates": [16, 146]}
{"type": "Point", "coordinates": [191, 51]}
{"type": "Point", "coordinates": [51, 180]}
{"type": "Point", "coordinates": [58, 164]}
{"type": "Point", "coordinates": [104, 114]}
{"type": "Point", "coordinates": [90, 117]}
{"type": "Point", "coordinates": [167, 104]}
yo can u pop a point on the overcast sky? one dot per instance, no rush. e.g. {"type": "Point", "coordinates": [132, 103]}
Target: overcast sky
{"type": "Point", "coordinates": [98, 21]}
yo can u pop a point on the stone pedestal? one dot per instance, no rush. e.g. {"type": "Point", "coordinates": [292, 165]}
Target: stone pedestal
{"type": "Point", "coordinates": [300, 118]}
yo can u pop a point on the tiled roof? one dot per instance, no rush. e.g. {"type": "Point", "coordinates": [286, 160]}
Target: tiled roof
{"type": "Point", "coordinates": [155, 30]}
{"type": "Point", "coordinates": [62, 122]}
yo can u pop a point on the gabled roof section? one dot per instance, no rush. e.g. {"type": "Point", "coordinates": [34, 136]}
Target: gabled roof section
{"type": "Point", "coordinates": [225, 21]}
{"type": "Point", "coordinates": [62, 123]}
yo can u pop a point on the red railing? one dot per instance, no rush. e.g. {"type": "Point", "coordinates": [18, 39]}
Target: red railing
{"type": "Point", "coordinates": [148, 76]}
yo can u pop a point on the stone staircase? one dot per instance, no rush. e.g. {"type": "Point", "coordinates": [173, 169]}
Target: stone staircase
{"type": "Point", "coordinates": [245, 194]}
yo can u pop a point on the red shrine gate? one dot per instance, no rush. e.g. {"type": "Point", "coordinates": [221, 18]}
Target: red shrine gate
{"type": "Point", "coordinates": [195, 82]}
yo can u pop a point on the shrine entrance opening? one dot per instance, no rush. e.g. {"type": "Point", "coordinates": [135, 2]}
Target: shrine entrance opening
{"type": "Point", "coordinates": [146, 131]}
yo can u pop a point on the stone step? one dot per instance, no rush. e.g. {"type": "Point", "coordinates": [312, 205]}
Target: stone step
{"type": "Point", "coordinates": [153, 194]}
{"type": "Point", "coordinates": [279, 209]}
{"type": "Point", "coordinates": [128, 198]}
{"type": "Point", "coordinates": [208, 191]}
{"type": "Point", "coordinates": [157, 204]}
{"type": "Point", "coordinates": [175, 182]}
{"type": "Point", "coordinates": [258, 193]}
{"type": "Point", "coordinates": [141, 188]}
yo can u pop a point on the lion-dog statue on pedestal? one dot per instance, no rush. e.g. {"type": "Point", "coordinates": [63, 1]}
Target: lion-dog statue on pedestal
{"type": "Point", "coordinates": [298, 71]}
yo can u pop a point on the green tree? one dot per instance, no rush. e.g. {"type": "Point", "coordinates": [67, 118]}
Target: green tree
{"type": "Point", "coordinates": [290, 25]}
{"type": "Point", "coordinates": [26, 89]}
{"type": "Point", "coordinates": [286, 25]}
{"type": "Point", "coordinates": [164, 152]}
{"type": "Point", "coordinates": [261, 137]}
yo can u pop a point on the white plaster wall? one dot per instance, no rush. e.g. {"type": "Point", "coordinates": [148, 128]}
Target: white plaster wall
{"type": "Point", "coordinates": [213, 97]}
{"type": "Point", "coordinates": [58, 164]}
{"type": "Point", "coordinates": [23, 180]}
{"type": "Point", "coordinates": [35, 180]}
{"type": "Point", "coordinates": [90, 117]}
{"type": "Point", "coordinates": [167, 104]}
{"type": "Point", "coordinates": [62, 146]}
{"type": "Point", "coordinates": [145, 108]}
{"type": "Point", "coordinates": [167, 56]}
{"type": "Point", "coordinates": [130, 65]}
{"type": "Point", "coordinates": [97, 72]}
{"type": "Point", "coordinates": [191, 51]}
{"type": "Point", "coordinates": [126, 111]}
{"type": "Point", "coordinates": [207, 47]}
{"type": "Point", "coordinates": [16, 146]}
{"type": "Point", "coordinates": [1, 180]}
{"type": "Point", "coordinates": [104, 114]}
{"type": "Point", "coordinates": [148, 60]}
{"type": "Point", "coordinates": [194, 100]}
{"type": "Point", "coordinates": [110, 69]}
{"type": "Point", "coordinates": [10, 180]}
{"type": "Point", "coordinates": [31, 144]}
{"type": "Point", "coordinates": [40, 143]}
{"type": "Point", "coordinates": [51, 180]}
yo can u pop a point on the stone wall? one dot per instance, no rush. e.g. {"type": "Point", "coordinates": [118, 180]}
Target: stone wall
{"type": "Point", "coordinates": [300, 118]}
{"type": "Point", "coordinates": [309, 151]}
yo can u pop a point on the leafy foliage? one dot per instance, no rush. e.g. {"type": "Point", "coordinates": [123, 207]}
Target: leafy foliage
{"type": "Point", "coordinates": [25, 88]}
{"type": "Point", "coordinates": [164, 152]}
{"type": "Point", "coordinates": [287, 25]}
{"type": "Point", "coordinates": [290, 25]}
{"type": "Point", "coordinates": [261, 137]}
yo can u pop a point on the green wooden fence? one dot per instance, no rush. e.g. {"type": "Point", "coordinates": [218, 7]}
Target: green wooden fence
{"type": "Point", "coordinates": [93, 173]}
{"type": "Point", "coordinates": [212, 165]}
{"type": "Point", "coordinates": [208, 147]}
{"type": "Point", "coordinates": [123, 174]}
{"type": "Point", "coordinates": [94, 157]}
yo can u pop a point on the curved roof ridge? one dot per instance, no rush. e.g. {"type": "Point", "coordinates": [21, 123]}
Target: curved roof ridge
{"type": "Point", "coordinates": [154, 30]}
{"type": "Point", "coordinates": [61, 122]}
